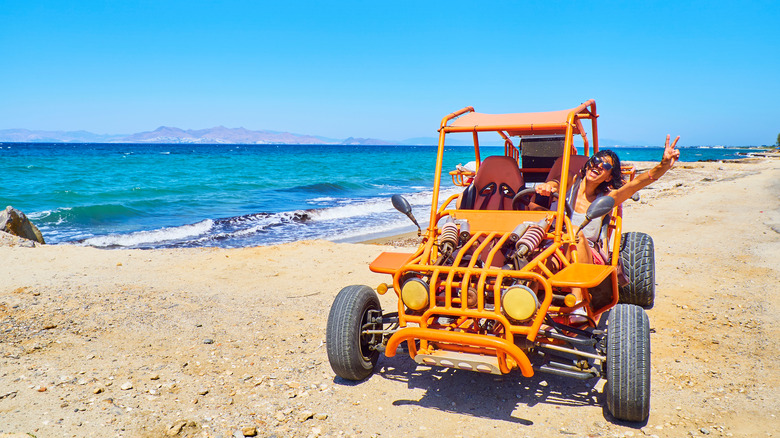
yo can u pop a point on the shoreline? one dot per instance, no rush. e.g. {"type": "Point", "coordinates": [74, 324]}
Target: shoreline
{"type": "Point", "coordinates": [410, 239]}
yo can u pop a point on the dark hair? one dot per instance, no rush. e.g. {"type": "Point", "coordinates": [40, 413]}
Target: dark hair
{"type": "Point", "coordinates": [616, 178]}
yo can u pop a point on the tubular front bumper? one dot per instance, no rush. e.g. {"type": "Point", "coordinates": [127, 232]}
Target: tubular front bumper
{"type": "Point", "coordinates": [468, 349]}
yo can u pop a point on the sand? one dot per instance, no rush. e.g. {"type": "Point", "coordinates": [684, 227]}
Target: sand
{"type": "Point", "coordinates": [230, 342]}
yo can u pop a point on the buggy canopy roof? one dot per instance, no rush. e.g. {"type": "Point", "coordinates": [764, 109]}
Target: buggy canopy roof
{"type": "Point", "coordinates": [548, 123]}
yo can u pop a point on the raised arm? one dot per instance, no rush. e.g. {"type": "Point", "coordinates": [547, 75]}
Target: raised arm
{"type": "Point", "coordinates": [671, 154]}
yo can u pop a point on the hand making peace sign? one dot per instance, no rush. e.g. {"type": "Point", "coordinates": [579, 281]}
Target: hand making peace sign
{"type": "Point", "coordinates": [670, 153]}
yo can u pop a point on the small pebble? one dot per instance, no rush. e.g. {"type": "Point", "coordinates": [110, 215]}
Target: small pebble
{"type": "Point", "coordinates": [208, 341]}
{"type": "Point", "coordinates": [249, 431]}
{"type": "Point", "coordinates": [175, 428]}
{"type": "Point", "coordinates": [305, 415]}
{"type": "Point", "coordinates": [125, 386]}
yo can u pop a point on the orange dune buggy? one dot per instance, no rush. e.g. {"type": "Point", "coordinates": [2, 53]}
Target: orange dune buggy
{"type": "Point", "coordinates": [490, 288]}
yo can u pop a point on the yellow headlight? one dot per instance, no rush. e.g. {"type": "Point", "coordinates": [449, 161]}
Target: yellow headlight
{"type": "Point", "coordinates": [414, 293]}
{"type": "Point", "coordinates": [519, 303]}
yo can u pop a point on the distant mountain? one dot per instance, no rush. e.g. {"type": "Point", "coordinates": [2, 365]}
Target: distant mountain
{"type": "Point", "coordinates": [28, 136]}
{"type": "Point", "coordinates": [219, 134]}
{"type": "Point", "coordinates": [167, 134]}
{"type": "Point", "coordinates": [365, 141]}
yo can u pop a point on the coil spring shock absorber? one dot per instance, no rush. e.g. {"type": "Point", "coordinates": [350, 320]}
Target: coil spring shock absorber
{"type": "Point", "coordinates": [518, 232]}
{"type": "Point", "coordinates": [531, 238]}
{"type": "Point", "coordinates": [448, 240]}
{"type": "Point", "coordinates": [465, 232]}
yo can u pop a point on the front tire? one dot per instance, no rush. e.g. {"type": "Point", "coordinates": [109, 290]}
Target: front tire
{"type": "Point", "coordinates": [628, 363]}
{"type": "Point", "coordinates": [351, 353]}
{"type": "Point", "coordinates": [637, 255]}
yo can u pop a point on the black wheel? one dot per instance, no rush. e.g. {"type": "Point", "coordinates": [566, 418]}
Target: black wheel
{"type": "Point", "coordinates": [638, 258]}
{"type": "Point", "coordinates": [628, 363]}
{"type": "Point", "coordinates": [350, 350]}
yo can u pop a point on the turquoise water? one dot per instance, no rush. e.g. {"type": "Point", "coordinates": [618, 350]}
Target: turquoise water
{"type": "Point", "coordinates": [152, 196]}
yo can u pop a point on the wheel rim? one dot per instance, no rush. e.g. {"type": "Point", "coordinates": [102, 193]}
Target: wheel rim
{"type": "Point", "coordinates": [366, 339]}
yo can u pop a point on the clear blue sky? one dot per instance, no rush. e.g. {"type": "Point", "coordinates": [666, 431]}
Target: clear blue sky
{"type": "Point", "coordinates": [706, 70]}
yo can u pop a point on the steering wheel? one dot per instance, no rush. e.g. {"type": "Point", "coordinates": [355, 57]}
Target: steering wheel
{"type": "Point", "coordinates": [523, 198]}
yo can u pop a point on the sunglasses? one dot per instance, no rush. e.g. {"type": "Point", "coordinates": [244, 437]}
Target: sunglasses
{"type": "Point", "coordinates": [599, 162]}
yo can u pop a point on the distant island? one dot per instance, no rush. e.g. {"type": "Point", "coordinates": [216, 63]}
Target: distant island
{"type": "Point", "coordinates": [167, 134]}
{"type": "Point", "coordinates": [223, 135]}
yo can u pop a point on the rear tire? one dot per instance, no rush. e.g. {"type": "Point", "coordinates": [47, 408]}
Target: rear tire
{"type": "Point", "coordinates": [350, 352]}
{"type": "Point", "coordinates": [628, 363]}
{"type": "Point", "coordinates": [637, 255]}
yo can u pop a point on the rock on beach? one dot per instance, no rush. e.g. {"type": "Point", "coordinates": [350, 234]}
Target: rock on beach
{"type": "Point", "coordinates": [16, 223]}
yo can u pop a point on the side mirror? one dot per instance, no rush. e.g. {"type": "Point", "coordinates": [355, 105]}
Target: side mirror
{"type": "Point", "coordinates": [401, 204]}
{"type": "Point", "coordinates": [601, 206]}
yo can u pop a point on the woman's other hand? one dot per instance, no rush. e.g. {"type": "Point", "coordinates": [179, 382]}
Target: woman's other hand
{"type": "Point", "coordinates": [671, 154]}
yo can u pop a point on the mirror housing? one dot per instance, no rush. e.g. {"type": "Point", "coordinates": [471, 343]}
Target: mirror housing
{"type": "Point", "coordinates": [601, 206]}
{"type": "Point", "coordinates": [598, 208]}
{"type": "Point", "coordinates": [401, 204]}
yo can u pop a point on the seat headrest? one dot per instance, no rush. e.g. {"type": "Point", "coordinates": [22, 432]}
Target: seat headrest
{"type": "Point", "coordinates": [497, 181]}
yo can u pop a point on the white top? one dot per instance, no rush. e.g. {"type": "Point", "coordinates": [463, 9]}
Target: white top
{"type": "Point", "coordinates": [591, 231]}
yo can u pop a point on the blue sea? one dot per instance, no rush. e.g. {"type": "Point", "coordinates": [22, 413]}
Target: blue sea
{"type": "Point", "coordinates": [183, 195]}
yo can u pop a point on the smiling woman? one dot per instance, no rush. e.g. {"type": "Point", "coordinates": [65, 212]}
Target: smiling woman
{"type": "Point", "coordinates": [601, 176]}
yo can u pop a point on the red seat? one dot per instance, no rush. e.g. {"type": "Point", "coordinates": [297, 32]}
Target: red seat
{"type": "Point", "coordinates": [576, 162]}
{"type": "Point", "coordinates": [497, 181]}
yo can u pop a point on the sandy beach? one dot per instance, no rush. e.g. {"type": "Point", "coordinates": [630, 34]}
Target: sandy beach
{"type": "Point", "coordinates": [230, 342]}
